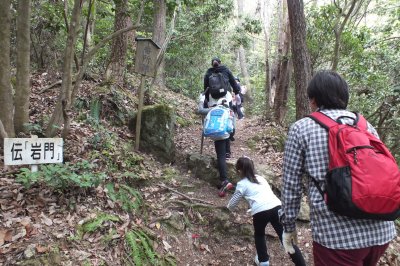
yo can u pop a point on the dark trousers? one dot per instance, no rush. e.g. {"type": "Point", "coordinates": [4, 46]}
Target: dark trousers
{"type": "Point", "coordinates": [369, 256]}
{"type": "Point", "coordinates": [239, 111]}
{"type": "Point", "coordinates": [222, 147]}
{"type": "Point", "coordinates": [260, 221]}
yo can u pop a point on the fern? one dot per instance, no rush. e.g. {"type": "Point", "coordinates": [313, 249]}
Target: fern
{"type": "Point", "coordinates": [134, 250]}
{"type": "Point", "coordinates": [147, 247]}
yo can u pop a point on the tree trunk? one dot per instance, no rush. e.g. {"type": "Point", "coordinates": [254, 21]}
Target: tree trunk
{"type": "Point", "coordinates": [265, 18]}
{"type": "Point", "coordinates": [301, 59]}
{"type": "Point", "coordinates": [6, 97]}
{"type": "Point", "coordinates": [242, 59]}
{"type": "Point", "coordinates": [22, 90]}
{"type": "Point", "coordinates": [116, 67]}
{"type": "Point", "coordinates": [57, 118]}
{"type": "Point", "coordinates": [280, 102]}
{"type": "Point", "coordinates": [159, 34]}
{"type": "Point", "coordinates": [338, 29]}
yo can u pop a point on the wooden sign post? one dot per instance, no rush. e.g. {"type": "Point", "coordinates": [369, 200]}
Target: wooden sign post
{"type": "Point", "coordinates": [145, 64]}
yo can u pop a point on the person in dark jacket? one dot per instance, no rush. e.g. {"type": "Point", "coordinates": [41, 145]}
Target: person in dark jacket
{"type": "Point", "coordinates": [222, 147]}
{"type": "Point", "coordinates": [217, 67]}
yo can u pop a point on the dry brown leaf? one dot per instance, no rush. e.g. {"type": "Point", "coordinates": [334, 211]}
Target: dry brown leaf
{"type": "Point", "coordinates": [46, 220]}
{"type": "Point", "coordinates": [42, 249]}
{"type": "Point", "coordinates": [21, 232]}
{"type": "Point", "coordinates": [2, 237]}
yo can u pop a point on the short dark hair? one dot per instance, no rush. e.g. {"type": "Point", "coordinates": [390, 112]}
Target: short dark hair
{"type": "Point", "coordinates": [329, 90]}
{"type": "Point", "coordinates": [246, 166]}
{"type": "Point", "coordinates": [215, 59]}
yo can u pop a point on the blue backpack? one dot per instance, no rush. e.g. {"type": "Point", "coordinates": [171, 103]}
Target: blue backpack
{"type": "Point", "coordinates": [218, 123]}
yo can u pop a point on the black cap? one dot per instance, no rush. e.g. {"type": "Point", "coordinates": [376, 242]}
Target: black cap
{"type": "Point", "coordinates": [215, 59]}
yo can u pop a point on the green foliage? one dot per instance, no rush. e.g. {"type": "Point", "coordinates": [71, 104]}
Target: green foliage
{"type": "Point", "coordinates": [62, 176]}
{"type": "Point", "coordinates": [242, 36]}
{"type": "Point", "coordinates": [95, 224]}
{"type": "Point", "coordinates": [198, 36]}
{"type": "Point", "coordinates": [369, 61]}
{"type": "Point", "coordinates": [129, 198]}
{"type": "Point", "coordinates": [141, 251]}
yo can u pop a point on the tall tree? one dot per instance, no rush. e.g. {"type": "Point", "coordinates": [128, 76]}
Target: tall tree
{"type": "Point", "coordinates": [159, 35]}
{"type": "Point", "coordinates": [301, 60]}
{"type": "Point", "coordinates": [283, 73]}
{"type": "Point", "coordinates": [117, 64]}
{"type": "Point", "coordinates": [242, 55]}
{"type": "Point", "coordinates": [6, 97]}
{"type": "Point", "coordinates": [265, 18]}
{"type": "Point", "coordinates": [64, 98]}
{"type": "Point", "coordinates": [22, 90]}
{"type": "Point", "coordinates": [344, 12]}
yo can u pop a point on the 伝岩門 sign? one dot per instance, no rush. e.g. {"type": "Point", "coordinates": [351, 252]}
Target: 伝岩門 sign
{"type": "Point", "coordinates": [19, 151]}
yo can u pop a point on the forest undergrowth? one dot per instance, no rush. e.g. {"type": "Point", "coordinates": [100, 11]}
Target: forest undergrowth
{"type": "Point", "coordinates": [110, 205]}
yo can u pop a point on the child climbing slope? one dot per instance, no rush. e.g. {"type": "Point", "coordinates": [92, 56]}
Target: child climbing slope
{"type": "Point", "coordinates": [264, 209]}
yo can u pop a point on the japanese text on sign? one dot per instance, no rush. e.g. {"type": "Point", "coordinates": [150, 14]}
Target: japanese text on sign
{"type": "Point", "coordinates": [33, 150]}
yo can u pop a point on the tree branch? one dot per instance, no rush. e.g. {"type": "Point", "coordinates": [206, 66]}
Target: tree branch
{"type": "Point", "coordinates": [185, 196]}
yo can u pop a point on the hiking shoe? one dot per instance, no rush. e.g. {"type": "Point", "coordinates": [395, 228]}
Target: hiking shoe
{"type": "Point", "coordinates": [226, 185]}
{"type": "Point", "coordinates": [228, 155]}
{"type": "Point", "coordinates": [256, 262]}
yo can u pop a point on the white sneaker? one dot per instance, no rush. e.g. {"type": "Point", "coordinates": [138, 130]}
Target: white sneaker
{"type": "Point", "coordinates": [265, 263]}
{"type": "Point", "coordinates": [256, 260]}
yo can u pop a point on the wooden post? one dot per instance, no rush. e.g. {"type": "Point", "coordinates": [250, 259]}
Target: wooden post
{"type": "Point", "coordinates": [139, 112]}
{"type": "Point", "coordinates": [202, 135]}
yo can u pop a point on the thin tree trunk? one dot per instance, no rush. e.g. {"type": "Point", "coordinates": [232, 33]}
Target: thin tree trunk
{"type": "Point", "coordinates": [280, 102]}
{"type": "Point", "coordinates": [22, 90]}
{"type": "Point", "coordinates": [87, 35]}
{"type": "Point", "coordinates": [57, 119]}
{"type": "Point", "coordinates": [116, 67]}
{"type": "Point", "coordinates": [265, 18]}
{"type": "Point", "coordinates": [242, 59]}
{"type": "Point", "coordinates": [6, 97]}
{"type": "Point", "coordinates": [301, 59]}
{"type": "Point", "coordinates": [339, 27]}
{"type": "Point", "coordinates": [159, 34]}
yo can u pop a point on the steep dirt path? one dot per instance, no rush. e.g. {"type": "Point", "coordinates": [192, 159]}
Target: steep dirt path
{"type": "Point", "coordinates": [232, 249]}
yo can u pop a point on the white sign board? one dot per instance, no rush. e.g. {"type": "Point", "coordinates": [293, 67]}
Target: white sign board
{"type": "Point", "coordinates": [33, 150]}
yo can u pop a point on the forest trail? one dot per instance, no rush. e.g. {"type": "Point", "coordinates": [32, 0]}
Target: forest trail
{"type": "Point", "coordinates": [236, 249]}
{"type": "Point", "coordinates": [182, 214]}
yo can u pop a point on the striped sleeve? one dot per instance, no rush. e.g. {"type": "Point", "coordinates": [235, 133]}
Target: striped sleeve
{"type": "Point", "coordinates": [234, 201]}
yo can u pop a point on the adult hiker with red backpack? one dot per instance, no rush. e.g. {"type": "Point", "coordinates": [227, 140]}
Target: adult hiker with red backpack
{"type": "Point", "coordinates": [353, 180]}
{"type": "Point", "coordinates": [217, 82]}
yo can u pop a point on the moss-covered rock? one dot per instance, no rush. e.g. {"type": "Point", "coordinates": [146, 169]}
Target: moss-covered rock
{"type": "Point", "coordinates": [157, 131]}
{"type": "Point", "coordinates": [205, 168]}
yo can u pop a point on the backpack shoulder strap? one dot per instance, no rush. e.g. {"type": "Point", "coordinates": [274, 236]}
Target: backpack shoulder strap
{"type": "Point", "coordinates": [361, 122]}
{"type": "Point", "coordinates": [323, 120]}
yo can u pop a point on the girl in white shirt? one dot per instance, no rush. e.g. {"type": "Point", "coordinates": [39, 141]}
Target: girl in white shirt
{"type": "Point", "coordinates": [264, 209]}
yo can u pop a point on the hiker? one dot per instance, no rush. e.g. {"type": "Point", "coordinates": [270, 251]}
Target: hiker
{"type": "Point", "coordinates": [264, 209]}
{"type": "Point", "coordinates": [337, 239]}
{"type": "Point", "coordinates": [217, 82]}
{"type": "Point", "coordinates": [239, 100]}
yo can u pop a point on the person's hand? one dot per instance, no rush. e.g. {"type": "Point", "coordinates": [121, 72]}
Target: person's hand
{"type": "Point", "coordinates": [288, 239]}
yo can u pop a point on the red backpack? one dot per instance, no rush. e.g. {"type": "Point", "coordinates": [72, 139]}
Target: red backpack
{"type": "Point", "coordinates": [363, 179]}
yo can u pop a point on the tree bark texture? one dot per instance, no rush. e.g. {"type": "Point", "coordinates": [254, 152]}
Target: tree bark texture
{"type": "Point", "coordinates": [265, 18]}
{"type": "Point", "coordinates": [283, 80]}
{"type": "Point", "coordinates": [22, 90]}
{"type": "Point", "coordinates": [116, 67]}
{"type": "Point", "coordinates": [159, 35]}
{"type": "Point", "coordinates": [242, 58]}
{"type": "Point", "coordinates": [338, 29]}
{"type": "Point", "coordinates": [57, 119]}
{"type": "Point", "coordinates": [301, 59]}
{"type": "Point", "coordinates": [6, 97]}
